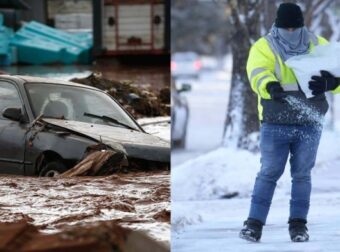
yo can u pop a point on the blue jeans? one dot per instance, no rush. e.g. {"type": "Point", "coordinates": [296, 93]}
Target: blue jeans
{"type": "Point", "coordinates": [276, 142]}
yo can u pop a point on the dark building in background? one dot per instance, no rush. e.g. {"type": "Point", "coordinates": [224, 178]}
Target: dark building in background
{"type": "Point", "coordinates": [37, 11]}
{"type": "Point", "coordinates": [11, 11]}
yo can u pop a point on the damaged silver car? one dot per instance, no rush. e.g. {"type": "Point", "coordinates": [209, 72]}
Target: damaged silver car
{"type": "Point", "coordinates": [46, 127]}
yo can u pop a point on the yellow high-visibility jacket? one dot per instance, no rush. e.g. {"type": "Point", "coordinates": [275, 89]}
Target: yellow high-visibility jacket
{"type": "Point", "coordinates": [265, 65]}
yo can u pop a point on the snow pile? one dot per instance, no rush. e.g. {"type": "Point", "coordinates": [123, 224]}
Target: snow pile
{"type": "Point", "coordinates": [227, 170]}
{"type": "Point", "coordinates": [323, 57]}
{"type": "Point", "coordinates": [214, 175]}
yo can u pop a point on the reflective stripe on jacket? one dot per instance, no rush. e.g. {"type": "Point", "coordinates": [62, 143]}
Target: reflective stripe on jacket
{"type": "Point", "coordinates": [265, 65]}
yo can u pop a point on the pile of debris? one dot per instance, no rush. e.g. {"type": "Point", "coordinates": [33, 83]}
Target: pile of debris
{"type": "Point", "coordinates": [99, 236]}
{"type": "Point", "coordinates": [140, 101]}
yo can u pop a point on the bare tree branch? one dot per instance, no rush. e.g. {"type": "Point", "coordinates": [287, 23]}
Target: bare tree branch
{"type": "Point", "coordinates": [321, 6]}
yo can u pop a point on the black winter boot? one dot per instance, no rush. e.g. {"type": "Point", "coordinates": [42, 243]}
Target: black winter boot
{"type": "Point", "coordinates": [298, 230]}
{"type": "Point", "coordinates": [252, 230]}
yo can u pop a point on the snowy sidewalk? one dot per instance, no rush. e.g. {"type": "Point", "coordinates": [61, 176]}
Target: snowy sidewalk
{"type": "Point", "coordinates": [201, 221]}
{"type": "Point", "coordinates": [223, 220]}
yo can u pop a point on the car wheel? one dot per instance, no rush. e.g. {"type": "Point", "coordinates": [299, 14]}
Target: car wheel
{"type": "Point", "coordinates": [52, 169]}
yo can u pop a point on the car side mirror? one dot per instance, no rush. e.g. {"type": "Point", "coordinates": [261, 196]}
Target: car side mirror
{"type": "Point", "coordinates": [185, 88]}
{"type": "Point", "coordinates": [14, 114]}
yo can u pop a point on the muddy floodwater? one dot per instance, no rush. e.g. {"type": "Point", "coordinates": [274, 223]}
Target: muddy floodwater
{"type": "Point", "coordinates": [156, 74]}
{"type": "Point", "coordinates": [138, 201]}
{"type": "Point", "coordinates": [135, 200]}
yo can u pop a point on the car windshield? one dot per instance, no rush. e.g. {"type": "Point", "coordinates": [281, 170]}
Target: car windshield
{"type": "Point", "coordinates": [76, 103]}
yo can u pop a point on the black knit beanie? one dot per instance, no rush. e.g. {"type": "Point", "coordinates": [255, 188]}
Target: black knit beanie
{"type": "Point", "coordinates": [289, 15]}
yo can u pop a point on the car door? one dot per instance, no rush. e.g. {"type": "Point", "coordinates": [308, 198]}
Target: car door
{"type": "Point", "coordinates": [12, 133]}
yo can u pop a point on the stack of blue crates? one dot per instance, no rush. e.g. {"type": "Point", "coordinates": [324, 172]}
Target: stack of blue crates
{"type": "Point", "coordinates": [37, 43]}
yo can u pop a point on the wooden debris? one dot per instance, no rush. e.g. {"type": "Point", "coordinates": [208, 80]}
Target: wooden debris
{"type": "Point", "coordinates": [97, 163]}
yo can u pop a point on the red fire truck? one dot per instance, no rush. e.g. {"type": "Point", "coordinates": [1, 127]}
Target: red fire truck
{"type": "Point", "coordinates": [123, 27]}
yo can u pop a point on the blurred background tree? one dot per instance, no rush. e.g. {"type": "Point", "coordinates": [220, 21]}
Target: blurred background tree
{"type": "Point", "coordinates": [218, 27]}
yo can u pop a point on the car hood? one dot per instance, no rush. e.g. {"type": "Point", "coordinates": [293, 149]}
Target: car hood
{"type": "Point", "coordinates": [133, 143]}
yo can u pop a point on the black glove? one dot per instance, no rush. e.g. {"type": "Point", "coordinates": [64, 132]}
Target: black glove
{"type": "Point", "coordinates": [323, 83]}
{"type": "Point", "coordinates": [276, 91]}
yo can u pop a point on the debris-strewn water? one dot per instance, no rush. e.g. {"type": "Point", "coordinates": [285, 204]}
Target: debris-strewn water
{"type": "Point", "coordinates": [137, 200]}
{"type": "Point", "coordinates": [156, 75]}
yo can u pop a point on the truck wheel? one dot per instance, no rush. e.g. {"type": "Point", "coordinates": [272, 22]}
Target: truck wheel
{"type": "Point", "coordinates": [52, 169]}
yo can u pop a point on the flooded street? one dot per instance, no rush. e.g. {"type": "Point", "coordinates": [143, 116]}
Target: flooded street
{"type": "Point", "coordinates": [157, 75]}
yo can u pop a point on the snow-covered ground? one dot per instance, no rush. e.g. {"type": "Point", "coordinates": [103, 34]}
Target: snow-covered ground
{"type": "Point", "coordinates": [216, 224]}
{"type": "Point", "coordinates": [203, 221]}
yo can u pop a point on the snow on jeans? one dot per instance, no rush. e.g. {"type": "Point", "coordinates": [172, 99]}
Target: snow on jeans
{"type": "Point", "coordinates": [276, 142]}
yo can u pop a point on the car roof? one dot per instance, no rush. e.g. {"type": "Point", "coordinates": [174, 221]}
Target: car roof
{"type": "Point", "coordinates": [185, 55]}
{"type": "Point", "coordinates": [34, 79]}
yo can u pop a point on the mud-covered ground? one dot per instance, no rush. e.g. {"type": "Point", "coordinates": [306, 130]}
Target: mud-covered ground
{"type": "Point", "coordinates": [139, 201]}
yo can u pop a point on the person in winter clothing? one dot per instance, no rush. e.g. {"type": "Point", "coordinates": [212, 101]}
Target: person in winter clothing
{"type": "Point", "coordinates": [290, 122]}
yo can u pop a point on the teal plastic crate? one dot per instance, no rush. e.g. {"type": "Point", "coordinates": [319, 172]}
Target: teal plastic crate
{"type": "Point", "coordinates": [58, 35]}
{"type": "Point", "coordinates": [70, 54]}
{"type": "Point", "coordinates": [49, 45]}
{"type": "Point", "coordinates": [36, 51]}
